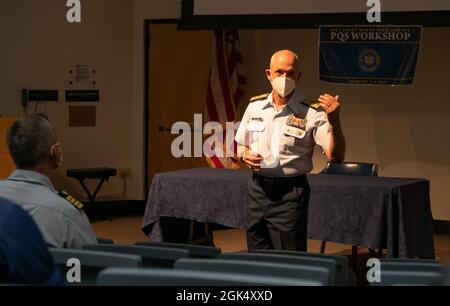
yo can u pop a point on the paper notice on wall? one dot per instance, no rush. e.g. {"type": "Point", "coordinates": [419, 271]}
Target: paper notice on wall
{"type": "Point", "coordinates": [83, 76]}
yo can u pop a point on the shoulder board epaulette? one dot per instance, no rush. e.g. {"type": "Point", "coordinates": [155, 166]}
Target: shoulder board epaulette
{"type": "Point", "coordinates": [313, 104]}
{"type": "Point", "coordinates": [78, 205]}
{"type": "Point", "coordinates": [260, 97]}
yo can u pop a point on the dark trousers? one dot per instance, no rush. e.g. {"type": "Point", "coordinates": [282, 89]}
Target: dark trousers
{"type": "Point", "coordinates": [277, 213]}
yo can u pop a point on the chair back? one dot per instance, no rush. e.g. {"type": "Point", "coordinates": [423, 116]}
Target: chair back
{"type": "Point", "coordinates": [169, 277]}
{"type": "Point", "coordinates": [446, 278]}
{"type": "Point", "coordinates": [103, 240]}
{"type": "Point", "coordinates": [92, 262]}
{"type": "Point", "coordinates": [195, 251]}
{"type": "Point", "coordinates": [151, 256]}
{"type": "Point", "coordinates": [299, 272]}
{"type": "Point", "coordinates": [408, 278]}
{"type": "Point", "coordinates": [341, 274]}
{"type": "Point", "coordinates": [415, 266]}
{"type": "Point", "coordinates": [351, 168]}
{"type": "Point", "coordinates": [409, 260]}
{"type": "Point", "coordinates": [327, 263]}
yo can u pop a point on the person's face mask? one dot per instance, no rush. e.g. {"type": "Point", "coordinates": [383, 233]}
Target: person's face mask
{"type": "Point", "coordinates": [56, 153]}
{"type": "Point", "coordinates": [283, 86]}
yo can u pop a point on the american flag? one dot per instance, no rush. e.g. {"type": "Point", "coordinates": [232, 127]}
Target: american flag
{"type": "Point", "coordinates": [225, 89]}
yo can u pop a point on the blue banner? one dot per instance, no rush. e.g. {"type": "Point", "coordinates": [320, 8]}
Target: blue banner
{"type": "Point", "coordinates": [369, 55]}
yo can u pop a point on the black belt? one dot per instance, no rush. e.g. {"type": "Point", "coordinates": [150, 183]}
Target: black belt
{"type": "Point", "coordinates": [274, 182]}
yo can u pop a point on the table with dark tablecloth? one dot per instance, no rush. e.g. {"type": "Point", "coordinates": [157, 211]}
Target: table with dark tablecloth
{"type": "Point", "coordinates": [376, 212]}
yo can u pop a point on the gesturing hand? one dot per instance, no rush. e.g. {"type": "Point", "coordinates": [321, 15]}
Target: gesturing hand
{"type": "Point", "coordinates": [330, 105]}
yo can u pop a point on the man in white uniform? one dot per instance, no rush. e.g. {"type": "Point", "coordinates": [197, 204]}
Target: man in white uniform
{"type": "Point", "coordinates": [277, 136]}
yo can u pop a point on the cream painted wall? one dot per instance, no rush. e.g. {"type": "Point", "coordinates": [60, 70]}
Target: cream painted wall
{"type": "Point", "coordinates": [38, 47]}
{"type": "Point", "coordinates": [404, 129]}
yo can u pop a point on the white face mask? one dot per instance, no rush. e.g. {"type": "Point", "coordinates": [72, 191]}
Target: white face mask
{"type": "Point", "coordinates": [283, 86]}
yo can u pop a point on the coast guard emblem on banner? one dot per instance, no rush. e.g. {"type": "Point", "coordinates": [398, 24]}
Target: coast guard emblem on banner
{"type": "Point", "coordinates": [369, 60]}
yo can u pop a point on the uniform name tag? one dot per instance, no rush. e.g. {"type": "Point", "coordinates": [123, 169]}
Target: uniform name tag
{"type": "Point", "coordinates": [257, 119]}
{"type": "Point", "coordinates": [256, 126]}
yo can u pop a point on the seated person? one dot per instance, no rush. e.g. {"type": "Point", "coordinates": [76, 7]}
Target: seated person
{"type": "Point", "coordinates": [24, 256]}
{"type": "Point", "coordinates": [33, 146]}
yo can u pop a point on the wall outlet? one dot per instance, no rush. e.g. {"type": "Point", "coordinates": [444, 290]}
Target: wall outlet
{"type": "Point", "coordinates": [123, 172]}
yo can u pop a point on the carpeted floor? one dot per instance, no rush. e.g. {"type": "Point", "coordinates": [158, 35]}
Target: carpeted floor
{"type": "Point", "coordinates": [127, 230]}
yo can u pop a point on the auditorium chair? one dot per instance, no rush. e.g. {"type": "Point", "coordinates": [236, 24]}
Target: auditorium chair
{"type": "Point", "coordinates": [301, 272]}
{"type": "Point", "coordinates": [352, 168]}
{"type": "Point", "coordinates": [446, 278]}
{"type": "Point", "coordinates": [103, 240]}
{"type": "Point", "coordinates": [410, 271]}
{"type": "Point", "coordinates": [152, 256]}
{"type": "Point", "coordinates": [326, 263]}
{"type": "Point", "coordinates": [410, 260]}
{"type": "Point", "coordinates": [410, 265]}
{"type": "Point", "coordinates": [195, 251]}
{"type": "Point", "coordinates": [409, 278]}
{"type": "Point", "coordinates": [92, 262]}
{"type": "Point", "coordinates": [169, 277]}
{"type": "Point", "coordinates": [344, 276]}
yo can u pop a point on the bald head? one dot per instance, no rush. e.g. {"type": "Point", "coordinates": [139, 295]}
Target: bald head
{"type": "Point", "coordinates": [284, 57]}
{"type": "Point", "coordinates": [284, 63]}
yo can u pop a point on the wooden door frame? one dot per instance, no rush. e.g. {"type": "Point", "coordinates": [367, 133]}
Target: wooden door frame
{"type": "Point", "coordinates": [147, 55]}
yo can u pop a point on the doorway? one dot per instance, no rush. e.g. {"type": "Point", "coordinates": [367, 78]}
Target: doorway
{"type": "Point", "coordinates": [178, 72]}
